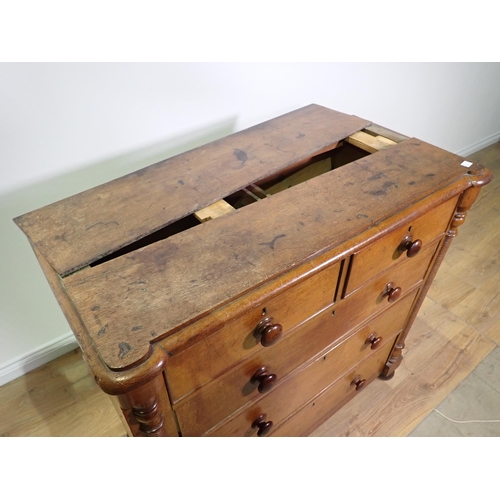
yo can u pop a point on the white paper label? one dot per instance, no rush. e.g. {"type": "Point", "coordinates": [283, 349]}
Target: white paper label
{"type": "Point", "coordinates": [466, 164]}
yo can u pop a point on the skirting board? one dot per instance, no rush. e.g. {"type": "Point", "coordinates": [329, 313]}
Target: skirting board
{"type": "Point", "coordinates": [488, 141]}
{"type": "Point", "coordinates": [37, 357]}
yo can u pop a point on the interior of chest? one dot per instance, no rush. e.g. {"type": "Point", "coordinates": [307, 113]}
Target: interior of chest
{"type": "Point", "coordinates": [352, 148]}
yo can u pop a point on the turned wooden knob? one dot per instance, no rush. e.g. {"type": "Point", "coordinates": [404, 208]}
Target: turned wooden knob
{"type": "Point", "coordinates": [373, 340]}
{"type": "Point", "coordinates": [263, 426]}
{"type": "Point", "coordinates": [409, 246]}
{"type": "Point", "coordinates": [265, 379]}
{"type": "Point", "coordinates": [392, 292]}
{"type": "Point", "coordinates": [359, 383]}
{"type": "Point", "coordinates": [268, 332]}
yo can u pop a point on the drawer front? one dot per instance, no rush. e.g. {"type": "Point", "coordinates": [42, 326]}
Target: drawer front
{"type": "Point", "coordinates": [208, 358]}
{"type": "Point", "coordinates": [298, 390]}
{"type": "Point", "coordinates": [382, 254]}
{"type": "Point", "coordinates": [214, 402]}
{"type": "Point", "coordinates": [325, 404]}
{"type": "Point", "coordinates": [372, 298]}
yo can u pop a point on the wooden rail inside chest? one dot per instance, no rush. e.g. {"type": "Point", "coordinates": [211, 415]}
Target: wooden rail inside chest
{"type": "Point", "coordinates": [353, 148]}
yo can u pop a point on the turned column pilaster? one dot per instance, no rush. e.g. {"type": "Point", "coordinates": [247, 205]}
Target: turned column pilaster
{"type": "Point", "coordinates": [479, 176]}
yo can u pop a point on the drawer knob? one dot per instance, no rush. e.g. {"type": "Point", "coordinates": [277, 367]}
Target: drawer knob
{"type": "Point", "coordinates": [373, 340]}
{"type": "Point", "coordinates": [265, 379]}
{"type": "Point", "coordinates": [392, 292]}
{"type": "Point", "coordinates": [359, 383]}
{"type": "Point", "coordinates": [268, 332]}
{"type": "Point", "coordinates": [409, 246]}
{"type": "Point", "coordinates": [263, 426]}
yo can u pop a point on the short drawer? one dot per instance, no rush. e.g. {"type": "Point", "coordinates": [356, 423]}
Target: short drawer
{"type": "Point", "coordinates": [377, 294]}
{"type": "Point", "coordinates": [326, 403]}
{"type": "Point", "coordinates": [208, 358]}
{"type": "Point", "coordinates": [385, 252]}
{"type": "Point", "coordinates": [301, 388]}
{"type": "Point", "coordinates": [212, 403]}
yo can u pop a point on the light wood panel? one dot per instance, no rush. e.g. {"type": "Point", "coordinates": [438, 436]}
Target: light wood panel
{"type": "Point", "coordinates": [462, 322]}
{"type": "Point", "coordinates": [368, 142]}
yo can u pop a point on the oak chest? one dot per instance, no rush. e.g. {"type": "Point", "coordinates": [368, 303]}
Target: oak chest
{"type": "Point", "coordinates": [254, 285]}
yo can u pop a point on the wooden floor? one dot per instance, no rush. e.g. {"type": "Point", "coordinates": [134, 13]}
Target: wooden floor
{"type": "Point", "coordinates": [451, 362]}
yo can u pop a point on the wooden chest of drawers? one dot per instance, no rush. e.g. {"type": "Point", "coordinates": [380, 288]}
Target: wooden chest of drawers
{"type": "Point", "coordinates": [253, 285]}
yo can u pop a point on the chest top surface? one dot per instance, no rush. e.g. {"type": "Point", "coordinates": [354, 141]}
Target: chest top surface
{"type": "Point", "coordinates": [78, 230]}
{"type": "Point", "coordinates": [148, 293]}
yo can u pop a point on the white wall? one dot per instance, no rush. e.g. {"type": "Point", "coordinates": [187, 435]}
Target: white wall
{"type": "Point", "coordinates": [68, 127]}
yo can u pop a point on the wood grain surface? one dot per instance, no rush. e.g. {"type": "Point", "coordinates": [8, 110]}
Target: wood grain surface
{"type": "Point", "coordinates": [457, 327]}
{"type": "Point", "coordinates": [143, 295]}
{"type": "Point", "coordinates": [76, 231]}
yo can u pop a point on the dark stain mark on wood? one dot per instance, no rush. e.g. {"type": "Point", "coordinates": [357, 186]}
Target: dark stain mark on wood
{"type": "Point", "coordinates": [137, 328]}
{"type": "Point", "coordinates": [153, 334]}
{"type": "Point", "coordinates": [95, 308]}
{"type": "Point", "coordinates": [106, 224]}
{"type": "Point", "coordinates": [103, 330]}
{"type": "Point", "coordinates": [241, 156]}
{"type": "Point", "coordinates": [271, 243]}
{"type": "Point", "coordinates": [376, 176]}
{"type": "Point", "coordinates": [124, 349]}
{"type": "Point", "coordinates": [250, 262]}
{"type": "Point", "coordinates": [430, 175]}
{"type": "Point", "coordinates": [181, 182]}
{"type": "Point", "coordinates": [300, 135]}
{"type": "Point", "coordinates": [379, 192]}
{"type": "Point", "coordinates": [411, 183]}
{"type": "Point", "coordinates": [389, 184]}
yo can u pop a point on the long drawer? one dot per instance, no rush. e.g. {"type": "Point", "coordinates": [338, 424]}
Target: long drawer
{"type": "Point", "coordinates": [208, 358]}
{"type": "Point", "coordinates": [299, 389]}
{"type": "Point", "coordinates": [213, 403]}
{"type": "Point", "coordinates": [324, 404]}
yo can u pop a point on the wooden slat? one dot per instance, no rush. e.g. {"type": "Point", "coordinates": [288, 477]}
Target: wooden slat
{"type": "Point", "coordinates": [257, 191]}
{"type": "Point", "coordinates": [384, 132]}
{"type": "Point", "coordinates": [218, 209]}
{"type": "Point", "coordinates": [368, 142]}
{"type": "Point", "coordinates": [81, 229]}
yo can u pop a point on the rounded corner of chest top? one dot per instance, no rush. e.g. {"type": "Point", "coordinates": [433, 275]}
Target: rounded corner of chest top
{"type": "Point", "coordinates": [479, 175]}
